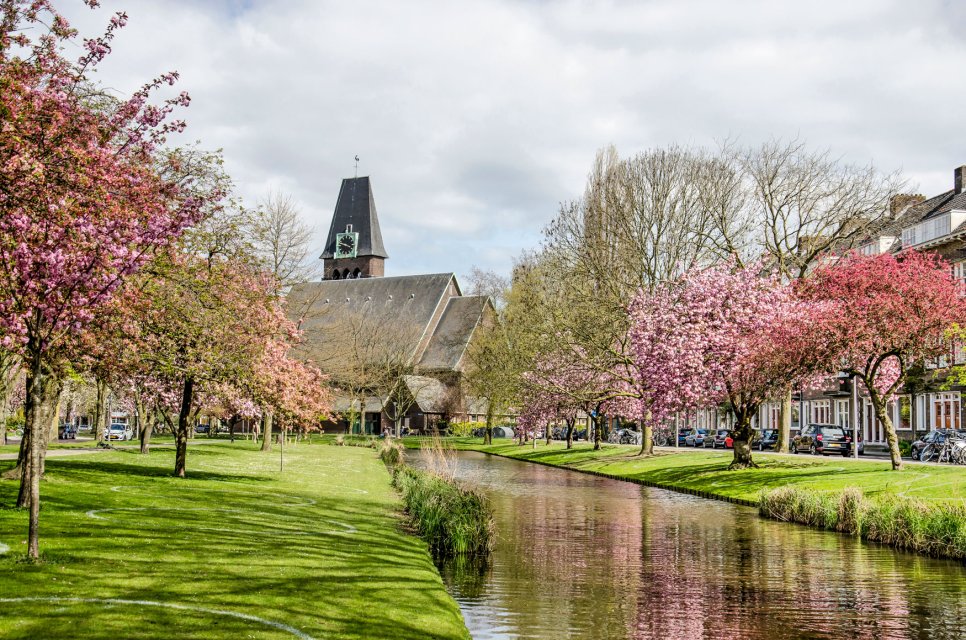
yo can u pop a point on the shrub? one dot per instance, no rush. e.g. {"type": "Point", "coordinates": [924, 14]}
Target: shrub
{"type": "Point", "coordinates": [905, 448]}
{"type": "Point", "coordinates": [453, 519]}
{"type": "Point", "coordinates": [937, 529]}
{"type": "Point", "coordinates": [339, 440]}
{"type": "Point", "coordinates": [465, 428]}
{"type": "Point", "coordinates": [392, 453]}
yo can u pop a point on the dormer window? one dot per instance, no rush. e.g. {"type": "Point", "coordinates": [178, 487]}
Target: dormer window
{"type": "Point", "coordinates": [932, 229]}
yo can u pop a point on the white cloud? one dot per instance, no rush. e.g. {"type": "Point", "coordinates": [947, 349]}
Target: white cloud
{"type": "Point", "coordinates": [476, 118]}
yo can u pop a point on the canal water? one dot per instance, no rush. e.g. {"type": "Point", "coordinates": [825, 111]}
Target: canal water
{"type": "Point", "coordinates": [579, 556]}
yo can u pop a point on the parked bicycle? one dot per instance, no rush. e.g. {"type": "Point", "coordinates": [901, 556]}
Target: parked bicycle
{"type": "Point", "coordinates": [952, 450]}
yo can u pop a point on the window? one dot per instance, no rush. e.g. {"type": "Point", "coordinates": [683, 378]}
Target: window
{"type": "Point", "coordinates": [822, 411]}
{"type": "Point", "coordinates": [842, 413]}
{"type": "Point", "coordinates": [933, 228]}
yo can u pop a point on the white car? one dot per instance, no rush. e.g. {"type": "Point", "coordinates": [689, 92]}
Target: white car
{"type": "Point", "coordinates": [119, 432]}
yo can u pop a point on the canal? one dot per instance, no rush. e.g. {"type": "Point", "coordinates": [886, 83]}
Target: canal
{"type": "Point", "coordinates": [579, 556]}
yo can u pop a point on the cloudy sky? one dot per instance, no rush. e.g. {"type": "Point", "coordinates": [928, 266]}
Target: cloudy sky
{"type": "Point", "coordinates": [476, 118]}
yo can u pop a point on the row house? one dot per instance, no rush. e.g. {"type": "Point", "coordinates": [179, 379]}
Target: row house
{"type": "Point", "coordinates": [937, 225]}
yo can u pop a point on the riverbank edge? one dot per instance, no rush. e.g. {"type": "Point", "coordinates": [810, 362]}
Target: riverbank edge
{"type": "Point", "coordinates": [640, 481]}
{"type": "Point", "coordinates": [949, 546]}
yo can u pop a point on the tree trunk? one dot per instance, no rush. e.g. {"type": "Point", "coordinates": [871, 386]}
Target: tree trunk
{"type": "Point", "coordinates": [570, 432]}
{"type": "Point", "coordinates": [488, 432]}
{"type": "Point", "coordinates": [100, 409]}
{"type": "Point", "coordinates": [647, 438]}
{"type": "Point", "coordinates": [39, 392]}
{"type": "Point", "coordinates": [22, 470]}
{"type": "Point", "coordinates": [548, 433]}
{"type": "Point", "coordinates": [879, 406]}
{"type": "Point", "coordinates": [598, 421]}
{"type": "Point", "coordinates": [785, 423]}
{"type": "Point", "coordinates": [742, 436]}
{"type": "Point", "coordinates": [267, 431]}
{"type": "Point", "coordinates": [184, 423]}
{"type": "Point", "coordinates": [147, 428]}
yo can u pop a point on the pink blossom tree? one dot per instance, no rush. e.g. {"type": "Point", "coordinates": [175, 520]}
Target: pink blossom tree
{"type": "Point", "coordinates": [83, 203]}
{"type": "Point", "coordinates": [727, 335]}
{"type": "Point", "coordinates": [890, 312]}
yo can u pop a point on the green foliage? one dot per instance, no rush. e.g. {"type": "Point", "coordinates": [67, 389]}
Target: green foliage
{"type": "Point", "coordinates": [453, 519]}
{"type": "Point", "coordinates": [905, 448]}
{"type": "Point", "coordinates": [464, 429]}
{"type": "Point", "coordinates": [392, 453]}
{"type": "Point", "coordinates": [936, 529]}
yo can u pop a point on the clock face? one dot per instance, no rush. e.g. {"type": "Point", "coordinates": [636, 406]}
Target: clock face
{"type": "Point", "coordinates": [345, 245]}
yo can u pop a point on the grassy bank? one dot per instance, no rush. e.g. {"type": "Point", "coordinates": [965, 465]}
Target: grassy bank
{"type": "Point", "coordinates": [454, 519]}
{"type": "Point", "coordinates": [929, 528]}
{"type": "Point", "coordinates": [237, 550]}
{"type": "Point", "coordinates": [705, 472]}
{"type": "Point", "coordinates": [921, 508]}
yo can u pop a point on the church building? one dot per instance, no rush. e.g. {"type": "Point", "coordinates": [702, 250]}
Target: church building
{"type": "Point", "coordinates": [391, 345]}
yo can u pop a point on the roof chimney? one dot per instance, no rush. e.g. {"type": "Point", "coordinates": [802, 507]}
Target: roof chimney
{"type": "Point", "coordinates": [958, 179]}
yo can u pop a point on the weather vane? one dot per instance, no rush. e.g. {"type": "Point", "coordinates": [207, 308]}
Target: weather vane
{"type": "Point", "coordinates": [357, 166]}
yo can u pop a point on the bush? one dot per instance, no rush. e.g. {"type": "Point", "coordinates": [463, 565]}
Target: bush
{"type": "Point", "coordinates": [905, 448]}
{"type": "Point", "coordinates": [453, 519]}
{"type": "Point", "coordinates": [937, 529]}
{"type": "Point", "coordinates": [339, 440]}
{"type": "Point", "coordinates": [465, 428]}
{"type": "Point", "coordinates": [392, 453]}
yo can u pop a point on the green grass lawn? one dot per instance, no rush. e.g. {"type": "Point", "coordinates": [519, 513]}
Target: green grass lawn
{"type": "Point", "coordinates": [236, 550]}
{"type": "Point", "coordinates": [706, 471]}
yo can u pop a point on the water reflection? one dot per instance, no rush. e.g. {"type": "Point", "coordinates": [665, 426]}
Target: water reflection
{"type": "Point", "coordinates": [585, 557]}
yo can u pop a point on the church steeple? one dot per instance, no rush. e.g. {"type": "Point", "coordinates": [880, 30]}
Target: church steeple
{"type": "Point", "coordinates": [354, 247]}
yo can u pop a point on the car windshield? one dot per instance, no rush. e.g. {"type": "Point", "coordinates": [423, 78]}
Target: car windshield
{"type": "Point", "coordinates": [702, 431]}
{"type": "Point", "coordinates": [833, 431]}
{"type": "Point", "coordinates": [117, 427]}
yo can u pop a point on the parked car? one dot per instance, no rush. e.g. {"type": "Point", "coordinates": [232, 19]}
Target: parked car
{"type": "Point", "coordinates": [683, 437]}
{"type": "Point", "coordinates": [696, 438]}
{"type": "Point", "coordinates": [823, 439]}
{"type": "Point", "coordinates": [201, 428]}
{"type": "Point", "coordinates": [67, 432]}
{"type": "Point", "coordinates": [722, 438]}
{"type": "Point", "coordinates": [767, 439]}
{"type": "Point", "coordinates": [119, 432]}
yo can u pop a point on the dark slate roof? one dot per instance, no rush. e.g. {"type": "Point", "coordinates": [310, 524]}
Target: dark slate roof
{"type": "Point", "coordinates": [453, 334]}
{"type": "Point", "coordinates": [331, 310]}
{"type": "Point", "coordinates": [357, 207]}
{"type": "Point", "coordinates": [941, 204]}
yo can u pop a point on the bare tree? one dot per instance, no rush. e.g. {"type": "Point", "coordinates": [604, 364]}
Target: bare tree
{"type": "Point", "coordinates": [282, 240]}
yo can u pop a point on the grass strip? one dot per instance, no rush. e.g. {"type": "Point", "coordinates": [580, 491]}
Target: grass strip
{"type": "Point", "coordinates": [936, 529]}
{"type": "Point", "coordinates": [236, 550]}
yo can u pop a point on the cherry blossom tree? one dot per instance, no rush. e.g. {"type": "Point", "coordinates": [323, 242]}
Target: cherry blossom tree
{"type": "Point", "coordinates": [83, 203]}
{"type": "Point", "coordinates": [890, 312]}
{"type": "Point", "coordinates": [727, 335]}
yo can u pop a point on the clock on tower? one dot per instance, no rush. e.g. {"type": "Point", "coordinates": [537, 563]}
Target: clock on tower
{"type": "Point", "coordinates": [346, 244]}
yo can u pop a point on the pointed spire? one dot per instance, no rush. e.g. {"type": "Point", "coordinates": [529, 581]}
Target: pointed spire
{"type": "Point", "coordinates": [356, 208]}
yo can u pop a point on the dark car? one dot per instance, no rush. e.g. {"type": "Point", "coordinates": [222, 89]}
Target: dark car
{"type": "Point", "coordinates": [722, 438]}
{"type": "Point", "coordinates": [696, 438]}
{"type": "Point", "coordinates": [768, 439]}
{"type": "Point", "coordinates": [201, 428]}
{"type": "Point", "coordinates": [824, 439]}
{"type": "Point", "coordinates": [67, 432]}
{"type": "Point", "coordinates": [683, 437]}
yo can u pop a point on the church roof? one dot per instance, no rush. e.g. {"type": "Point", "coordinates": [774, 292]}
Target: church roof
{"type": "Point", "coordinates": [356, 207]}
{"type": "Point", "coordinates": [453, 333]}
{"type": "Point", "coordinates": [337, 315]}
